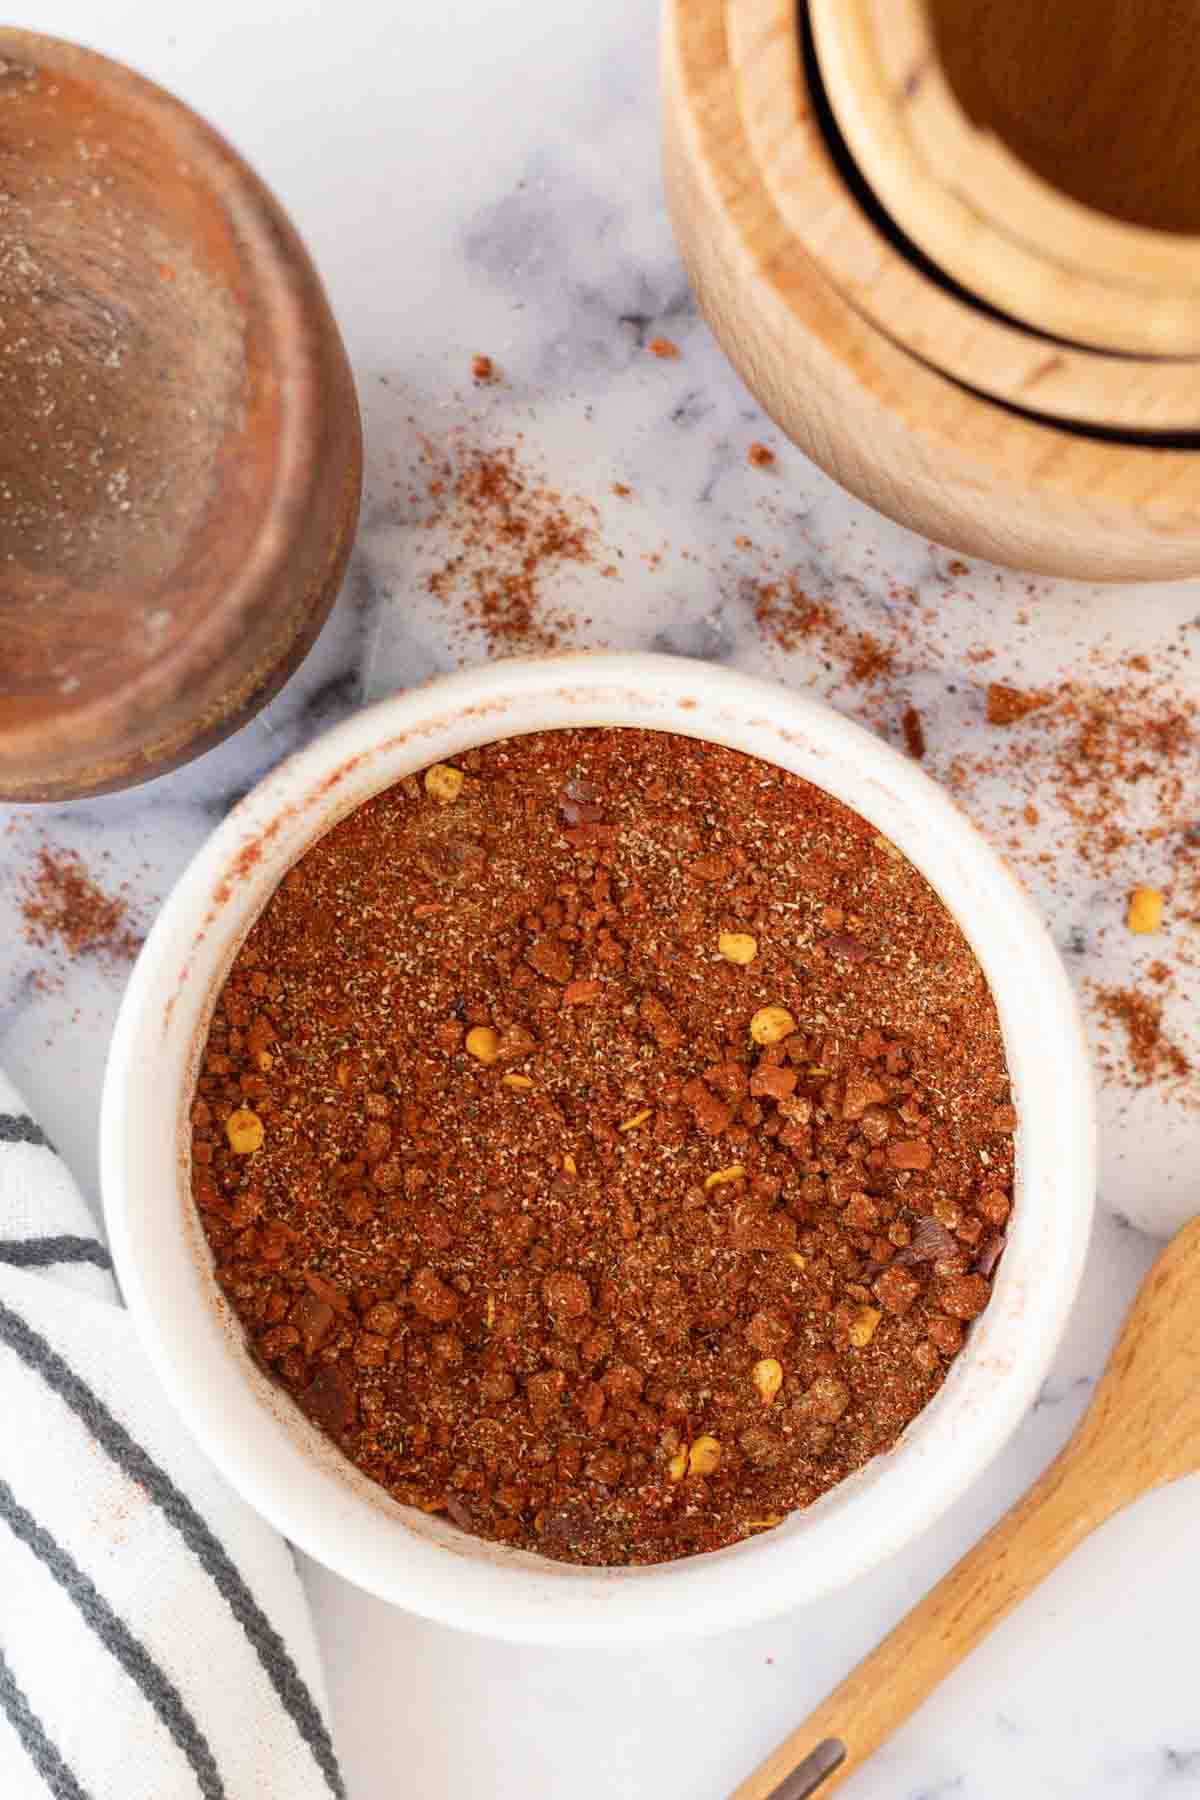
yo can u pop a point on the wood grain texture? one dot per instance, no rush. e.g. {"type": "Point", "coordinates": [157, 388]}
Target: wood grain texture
{"type": "Point", "coordinates": [1099, 99]}
{"type": "Point", "coordinates": [1141, 1431]}
{"type": "Point", "coordinates": [909, 441]}
{"type": "Point", "coordinates": [986, 353]}
{"type": "Point", "coordinates": [985, 216]}
{"type": "Point", "coordinates": [181, 461]}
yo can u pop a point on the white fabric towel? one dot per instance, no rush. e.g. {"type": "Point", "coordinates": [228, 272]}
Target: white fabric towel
{"type": "Point", "coordinates": [155, 1642]}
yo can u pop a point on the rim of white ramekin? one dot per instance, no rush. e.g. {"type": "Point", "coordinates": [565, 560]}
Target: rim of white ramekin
{"type": "Point", "coordinates": [255, 1434]}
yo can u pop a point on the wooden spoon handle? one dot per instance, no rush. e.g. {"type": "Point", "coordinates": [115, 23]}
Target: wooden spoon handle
{"type": "Point", "coordinates": [1061, 1508]}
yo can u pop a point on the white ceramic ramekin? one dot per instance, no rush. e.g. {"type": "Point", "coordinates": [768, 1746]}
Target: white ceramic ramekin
{"type": "Point", "coordinates": [293, 1475]}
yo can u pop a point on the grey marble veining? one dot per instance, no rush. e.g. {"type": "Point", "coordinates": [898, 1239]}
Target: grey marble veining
{"type": "Point", "coordinates": [484, 178]}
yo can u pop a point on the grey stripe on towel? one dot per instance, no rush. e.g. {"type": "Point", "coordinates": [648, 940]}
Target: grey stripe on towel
{"type": "Point", "coordinates": [43, 1252]}
{"type": "Point", "coordinates": [19, 1128]}
{"type": "Point", "coordinates": [44, 1755]}
{"type": "Point", "coordinates": [137, 1463]}
{"type": "Point", "coordinates": [133, 1656]}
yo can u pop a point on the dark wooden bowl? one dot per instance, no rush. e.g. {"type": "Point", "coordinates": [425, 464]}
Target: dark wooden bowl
{"type": "Point", "coordinates": [180, 444]}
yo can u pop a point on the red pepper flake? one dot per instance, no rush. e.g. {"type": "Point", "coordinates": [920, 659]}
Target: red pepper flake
{"type": "Point", "coordinates": [914, 732]}
{"type": "Point", "coordinates": [484, 370]}
{"type": "Point", "coordinates": [931, 1242]}
{"type": "Point", "coordinates": [582, 993]}
{"type": "Point", "coordinates": [663, 348]}
{"type": "Point", "coordinates": [845, 944]}
{"type": "Point", "coordinates": [760, 457]}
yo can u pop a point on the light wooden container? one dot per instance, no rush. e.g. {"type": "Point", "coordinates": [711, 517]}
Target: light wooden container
{"type": "Point", "coordinates": [997, 421]}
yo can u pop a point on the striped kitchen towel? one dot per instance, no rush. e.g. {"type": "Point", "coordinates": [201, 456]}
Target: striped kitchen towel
{"type": "Point", "coordinates": [155, 1642]}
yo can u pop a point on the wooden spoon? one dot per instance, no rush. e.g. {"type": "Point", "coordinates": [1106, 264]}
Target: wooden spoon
{"type": "Point", "coordinates": [1141, 1431]}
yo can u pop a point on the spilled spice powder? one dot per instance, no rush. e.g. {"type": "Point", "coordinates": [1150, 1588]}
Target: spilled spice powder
{"type": "Point", "coordinates": [1120, 759]}
{"type": "Point", "coordinates": [63, 907]}
{"type": "Point", "coordinates": [1117, 751]}
{"type": "Point", "coordinates": [791, 617]}
{"type": "Point", "coordinates": [1005, 705]}
{"type": "Point", "coordinates": [1094, 777]}
{"type": "Point", "coordinates": [510, 534]}
{"type": "Point", "coordinates": [1152, 1054]}
{"type": "Point", "coordinates": [870, 661]}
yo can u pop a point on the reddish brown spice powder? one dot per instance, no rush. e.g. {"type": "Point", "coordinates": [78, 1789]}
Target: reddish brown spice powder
{"type": "Point", "coordinates": [63, 907]}
{"type": "Point", "coordinates": [792, 617]}
{"type": "Point", "coordinates": [1138, 1015]}
{"type": "Point", "coordinates": [1005, 705]}
{"type": "Point", "coordinates": [511, 535]}
{"type": "Point", "coordinates": [607, 1140]}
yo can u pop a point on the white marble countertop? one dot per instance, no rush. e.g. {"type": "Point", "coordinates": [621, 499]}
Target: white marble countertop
{"type": "Point", "coordinates": [482, 176]}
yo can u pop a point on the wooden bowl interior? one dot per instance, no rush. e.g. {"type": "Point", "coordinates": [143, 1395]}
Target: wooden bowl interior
{"type": "Point", "coordinates": [1095, 96]}
{"type": "Point", "coordinates": [826, 202]}
{"type": "Point", "coordinates": [949, 463]}
{"type": "Point", "coordinates": [987, 218]}
{"type": "Point", "coordinates": [137, 379]}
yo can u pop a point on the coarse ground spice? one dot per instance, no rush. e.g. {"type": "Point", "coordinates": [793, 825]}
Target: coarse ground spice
{"type": "Point", "coordinates": [1117, 748]}
{"type": "Point", "coordinates": [607, 1140]}
{"type": "Point", "coordinates": [63, 907]}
